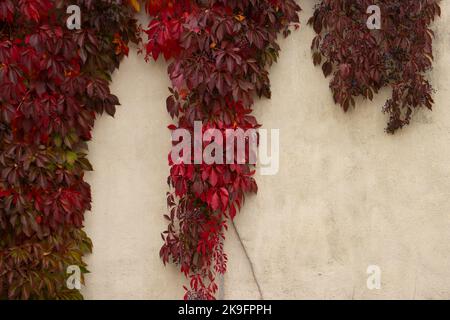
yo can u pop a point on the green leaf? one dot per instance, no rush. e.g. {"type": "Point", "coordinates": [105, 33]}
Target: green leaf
{"type": "Point", "coordinates": [71, 157]}
{"type": "Point", "coordinates": [58, 141]}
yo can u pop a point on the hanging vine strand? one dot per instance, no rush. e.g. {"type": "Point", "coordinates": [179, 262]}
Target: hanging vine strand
{"type": "Point", "coordinates": [53, 82]}
{"type": "Point", "coordinates": [362, 60]}
{"type": "Point", "coordinates": [219, 53]}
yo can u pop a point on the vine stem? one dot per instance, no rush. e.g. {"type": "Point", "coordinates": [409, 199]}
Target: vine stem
{"type": "Point", "coordinates": [261, 296]}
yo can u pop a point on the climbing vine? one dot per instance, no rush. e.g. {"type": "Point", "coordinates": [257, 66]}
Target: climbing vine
{"type": "Point", "coordinates": [219, 52]}
{"type": "Point", "coordinates": [53, 82]}
{"type": "Point", "coordinates": [362, 60]}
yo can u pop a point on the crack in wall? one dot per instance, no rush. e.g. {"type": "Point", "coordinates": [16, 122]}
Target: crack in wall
{"type": "Point", "coordinates": [261, 296]}
{"type": "Point", "coordinates": [221, 295]}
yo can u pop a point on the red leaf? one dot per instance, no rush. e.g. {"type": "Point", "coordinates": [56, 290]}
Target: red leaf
{"type": "Point", "coordinates": [213, 178]}
{"type": "Point", "coordinates": [215, 201]}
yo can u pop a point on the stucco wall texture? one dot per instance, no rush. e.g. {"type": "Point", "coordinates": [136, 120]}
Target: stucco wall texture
{"type": "Point", "coordinates": [347, 195]}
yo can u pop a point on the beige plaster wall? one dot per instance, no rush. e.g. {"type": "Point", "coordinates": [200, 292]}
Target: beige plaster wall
{"type": "Point", "coordinates": [347, 195]}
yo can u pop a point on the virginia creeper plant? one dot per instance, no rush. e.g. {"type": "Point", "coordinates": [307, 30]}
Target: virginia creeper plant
{"type": "Point", "coordinates": [219, 51]}
{"type": "Point", "coordinates": [362, 61]}
{"type": "Point", "coordinates": [53, 82]}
